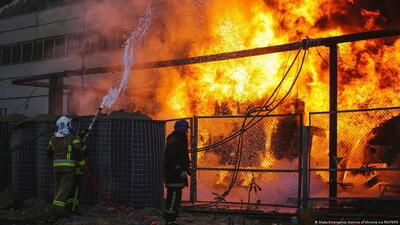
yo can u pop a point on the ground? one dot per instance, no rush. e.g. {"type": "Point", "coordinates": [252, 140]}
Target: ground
{"type": "Point", "coordinates": [38, 212]}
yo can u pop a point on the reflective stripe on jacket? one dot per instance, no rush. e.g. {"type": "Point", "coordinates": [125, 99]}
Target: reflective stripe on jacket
{"type": "Point", "coordinates": [67, 152]}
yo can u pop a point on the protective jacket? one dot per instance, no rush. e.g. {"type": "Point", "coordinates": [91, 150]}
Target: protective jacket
{"type": "Point", "coordinates": [67, 153]}
{"type": "Point", "coordinates": [176, 160]}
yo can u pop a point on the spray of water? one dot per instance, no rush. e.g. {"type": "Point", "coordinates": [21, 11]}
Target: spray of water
{"type": "Point", "coordinates": [133, 42]}
{"type": "Point", "coordinates": [9, 6]}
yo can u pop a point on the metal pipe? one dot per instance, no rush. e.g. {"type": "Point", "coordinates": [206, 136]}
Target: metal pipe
{"type": "Point", "coordinates": [357, 110]}
{"type": "Point", "coordinates": [222, 56]}
{"type": "Point", "coordinates": [249, 170]}
{"type": "Point", "coordinates": [332, 123]}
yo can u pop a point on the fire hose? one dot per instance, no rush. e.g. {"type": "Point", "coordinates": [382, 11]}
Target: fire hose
{"type": "Point", "coordinates": [88, 174]}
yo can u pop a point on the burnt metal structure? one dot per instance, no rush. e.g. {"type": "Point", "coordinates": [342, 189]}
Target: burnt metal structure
{"type": "Point", "coordinates": [330, 42]}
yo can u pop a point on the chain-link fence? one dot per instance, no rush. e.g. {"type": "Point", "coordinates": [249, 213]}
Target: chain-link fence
{"type": "Point", "coordinates": [268, 174]}
{"type": "Point", "coordinates": [367, 162]}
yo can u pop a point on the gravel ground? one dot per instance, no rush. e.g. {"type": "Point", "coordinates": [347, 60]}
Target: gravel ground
{"type": "Point", "coordinates": [35, 212]}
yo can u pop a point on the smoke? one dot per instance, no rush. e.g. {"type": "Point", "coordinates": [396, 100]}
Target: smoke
{"type": "Point", "coordinates": [191, 28]}
{"type": "Point", "coordinates": [130, 46]}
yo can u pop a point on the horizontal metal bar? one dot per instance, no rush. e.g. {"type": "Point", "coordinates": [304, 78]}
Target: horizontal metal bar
{"type": "Point", "coordinates": [247, 170]}
{"type": "Point", "coordinates": [171, 120]}
{"type": "Point", "coordinates": [222, 56]}
{"type": "Point", "coordinates": [356, 110]}
{"type": "Point", "coordinates": [270, 49]}
{"type": "Point", "coordinates": [68, 73]}
{"type": "Point", "coordinates": [354, 198]}
{"type": "Point", "coordinates": [355, 169]}
{"type": "Point", "coordinates": [243, 203]}
{"type": "Point", "coordinates": [242, 116]}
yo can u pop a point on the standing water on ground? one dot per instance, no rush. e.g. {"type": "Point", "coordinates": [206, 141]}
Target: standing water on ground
{"type": "Point", "coordinates": [130, 46]}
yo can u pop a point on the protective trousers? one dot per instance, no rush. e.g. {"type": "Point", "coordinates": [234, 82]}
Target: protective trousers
{"type": "Point", "coordinates": [64, 182]}
{"type": "Point", "coordinates": [172, 203]}
{"type": "Point", "coordinates": [73, 198]}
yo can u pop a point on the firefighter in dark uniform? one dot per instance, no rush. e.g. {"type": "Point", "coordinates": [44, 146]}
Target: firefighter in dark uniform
{"type": "Point", "coordinates": [68, 154]}
{"type": "Point", "coordinates": [176, 166]}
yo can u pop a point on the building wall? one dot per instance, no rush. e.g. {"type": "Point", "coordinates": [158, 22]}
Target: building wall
{"type": "Point", "coordinates": [64, 38]}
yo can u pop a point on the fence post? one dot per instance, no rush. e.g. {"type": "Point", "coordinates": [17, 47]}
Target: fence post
{"type": "Point", "coordinates": [305, 164]}
{"type": "Point", "coordinates": [193, 178]}
{"type": "Point", "coordinates": [332, 125]}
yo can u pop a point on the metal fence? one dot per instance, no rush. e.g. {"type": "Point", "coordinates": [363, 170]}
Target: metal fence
{"type": "Point", "coordinates": [281, 165]}
{"type": "Point", "coordinates": [367, 161]}
{"type": "Point", "coordinates": [125, 157]}
{"type": "Point", "coordinates": [284, 164]}
{"type": "Point", "coordinates": [270, 170]}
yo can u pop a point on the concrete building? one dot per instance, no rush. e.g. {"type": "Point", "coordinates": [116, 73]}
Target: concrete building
{"type": "Point", "coordinates": [52, 48]}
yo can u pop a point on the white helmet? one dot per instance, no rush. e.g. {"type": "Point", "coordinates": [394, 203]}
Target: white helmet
{"type": "Point", "coordinates": [64, 126]}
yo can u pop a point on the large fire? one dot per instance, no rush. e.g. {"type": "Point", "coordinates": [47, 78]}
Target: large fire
{"type": "Point", "coordinates": [369, 75]}
{"type": "Point", "coordinates": [215, 27]}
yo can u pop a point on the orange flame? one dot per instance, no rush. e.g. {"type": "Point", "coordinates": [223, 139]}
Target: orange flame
{"type": "Point", "coordinates": [367, 75]}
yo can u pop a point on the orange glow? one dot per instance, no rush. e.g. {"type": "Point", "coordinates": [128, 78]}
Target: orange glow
{"type": "Point", "coordinates": [368, 76]}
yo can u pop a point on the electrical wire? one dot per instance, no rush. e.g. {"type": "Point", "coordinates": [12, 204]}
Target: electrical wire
{"type": "Point", "coordinates": [245, 127]}
{"type": "Point", "coordinates": [259, 110]}
{"type": "Point", "coordinates": [239, 150]}
{"type": "Point", "coordinates": [249, 112]}
{"type": "Point", "coordinates": [26, 102]}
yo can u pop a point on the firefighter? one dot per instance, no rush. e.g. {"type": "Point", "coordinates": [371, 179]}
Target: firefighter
{"type": "Point", "coordinates": [67, 153]}
{"type": "Point", "coordinates": [176, 166]}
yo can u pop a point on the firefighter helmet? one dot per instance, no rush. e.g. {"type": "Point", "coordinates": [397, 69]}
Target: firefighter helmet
{"type": "Point", "coordinates": [64, 125]}
{"type": "Point", "coordinates": [181, 125]}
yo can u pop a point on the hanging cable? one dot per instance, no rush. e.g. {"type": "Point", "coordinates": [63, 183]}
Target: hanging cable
{"type": "Point", "coordinates": [245, 127]}
{"type": "Point", "coordinates": [259, 110]}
